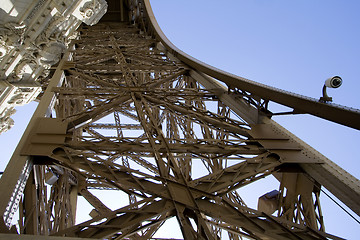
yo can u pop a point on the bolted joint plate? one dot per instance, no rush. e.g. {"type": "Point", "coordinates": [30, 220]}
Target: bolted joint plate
{"type": "Point", "coordinates": [287, 147]}
{"type": "Point", "coordinates": [47, 135]}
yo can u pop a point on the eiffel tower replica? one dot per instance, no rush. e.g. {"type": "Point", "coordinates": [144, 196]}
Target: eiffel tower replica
{"type": "Point", "coordinates": [128, 115]}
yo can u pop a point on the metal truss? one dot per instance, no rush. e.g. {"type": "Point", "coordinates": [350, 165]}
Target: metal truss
{"type": "Point", "coordinates": [122, 114]}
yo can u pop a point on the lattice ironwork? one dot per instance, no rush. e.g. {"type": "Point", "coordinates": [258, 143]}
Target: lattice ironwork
{"type": "Point", "coordinates": [125, 116]}
{"type": "Point", "coordinates": [140, 124]}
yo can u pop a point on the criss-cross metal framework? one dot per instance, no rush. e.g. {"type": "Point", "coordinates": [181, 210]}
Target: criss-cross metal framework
{"type": "Point", "coordinates": [124, 113]}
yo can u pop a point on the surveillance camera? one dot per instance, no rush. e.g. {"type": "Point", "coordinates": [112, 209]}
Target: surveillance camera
{"type": "Point", "coordinates": [333, 82]}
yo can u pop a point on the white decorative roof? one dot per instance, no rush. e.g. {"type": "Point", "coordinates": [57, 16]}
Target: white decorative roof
{"type": "Point", "coordinates": [33, 37]}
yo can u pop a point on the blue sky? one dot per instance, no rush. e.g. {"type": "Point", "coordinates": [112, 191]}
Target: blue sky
{"type": "Point", "coordinates": [292, 45]}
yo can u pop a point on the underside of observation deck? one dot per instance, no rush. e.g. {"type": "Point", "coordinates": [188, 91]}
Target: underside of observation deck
{"type": "Point", "coordinates": [143, 133]}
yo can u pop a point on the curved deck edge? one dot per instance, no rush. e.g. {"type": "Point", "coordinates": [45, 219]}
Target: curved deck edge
{"type": "Point", "coordinates": [336, 113]}
{"type": "Point", "coordinates": [341, 183]}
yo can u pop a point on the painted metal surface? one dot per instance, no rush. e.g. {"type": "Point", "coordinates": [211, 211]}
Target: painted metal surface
{"type": "Point", "coordinates": [126, 114]}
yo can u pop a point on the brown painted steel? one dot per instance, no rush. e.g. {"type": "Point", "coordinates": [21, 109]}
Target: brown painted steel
{"type": "Point", "coordinates": [340, 114]}
{"type": "Point", "coordinates": [183, 118]}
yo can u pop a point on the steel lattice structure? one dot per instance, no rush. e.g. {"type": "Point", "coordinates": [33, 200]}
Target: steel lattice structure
{"type": "Point", "coordinates": [125, 111]}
